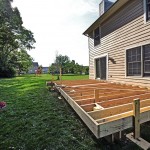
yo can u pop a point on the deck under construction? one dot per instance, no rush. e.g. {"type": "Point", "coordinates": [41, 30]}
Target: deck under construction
{"type": "Point", "coordinates": [106, 108]}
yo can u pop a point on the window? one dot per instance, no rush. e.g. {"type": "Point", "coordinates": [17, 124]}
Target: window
{"type": "Point", "coordinates": [138, 61]}
{"type": "Point", "coordinates": [146, 60]}
{"type": "Point", "coordinates": [96, 36]}
{"type": "Point", "coordinates": [134, 61]}
{"type": "Point", "coordinates": [147, 9]}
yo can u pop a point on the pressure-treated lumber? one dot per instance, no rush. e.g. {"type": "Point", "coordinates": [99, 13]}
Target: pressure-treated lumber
{"type": "Point", "coordinates": [117, 113]}
{"type": "Point", "coordinates": [107, 128]}
{"type": "Point", "coordinates": [124, 100]}
{"type": "Point", "coordinates": [115, 102]}
{"type": "Point", "coordinates": [110, 111]}
{"type": "Point", "coordinates": [140, 142]}
{"type": "Point", "coordinates": [122, 115]}
{"type": "Point", "coordinates": [96, 95]}
{"type": "Point", "coordinates": [116, 110]}
{"type": "Point", "coordinates": [89, 121]}
{"type": "Point", "coordinates": [136, 118]}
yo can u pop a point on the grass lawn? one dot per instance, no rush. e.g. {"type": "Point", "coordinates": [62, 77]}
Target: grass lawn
{"type": "Point", "coordinates": [36, 119]}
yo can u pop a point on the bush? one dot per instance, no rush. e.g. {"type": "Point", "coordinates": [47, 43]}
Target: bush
{"type": "Point", "coordinates": [7, 72]}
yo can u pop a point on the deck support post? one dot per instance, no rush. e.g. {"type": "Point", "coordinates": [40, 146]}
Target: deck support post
{"type": "Point", "coordinates": [117, 136]}
{"type": "Point", "coordinates": [96, 95]}
{"type": "Point", "coordinates": [136, 118]}
{"type": "Point", "coordinates": [113, 137]}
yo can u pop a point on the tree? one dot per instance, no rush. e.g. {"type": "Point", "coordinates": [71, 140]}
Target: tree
{"type": "Point", "coordinates": [52, 69]}
{"type": "Point", "coordinates": [40, 68]}
{"type": "Point", "coordinates": [24, 61]}
{"type": "Point", "coordinates": [60, 62]}
{"type": "Point", "coordinates": [87, 70]}
{"type": "Point", "coordinates": [63, 64]}
{"type": "Point", "coordinates": [78, 68]}
{"type": "Point", "coordinates": [13, 37]}
{"type": "Point", "coordinates": [70, 66]}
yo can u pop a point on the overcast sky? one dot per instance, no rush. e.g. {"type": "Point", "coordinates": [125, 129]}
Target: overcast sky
{"type": "Point", "coordinates": [58, 26]}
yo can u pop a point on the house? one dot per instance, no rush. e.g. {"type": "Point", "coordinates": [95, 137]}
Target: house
{"type": "Point", "coordinates": [45, 69]}
{"type": "Point", "coordinates": [33, 68]}
{"type": "Point", "coordinates": [119, 43]}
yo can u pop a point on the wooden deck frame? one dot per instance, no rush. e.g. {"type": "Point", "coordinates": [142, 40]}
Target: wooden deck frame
{"type": "Point", "coordinates": [116, 101]}
{"type": "Point", "coordinates": [111, 111]}
{"type": "Point", "coordinates": [89, 121]}
{"type": "Point", "coordinates": [110, 120]}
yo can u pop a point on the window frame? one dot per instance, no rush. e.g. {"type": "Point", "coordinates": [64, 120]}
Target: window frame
{"type": "Point", "coordinates": [146, 12]}
{"type": "Point", "coordinates": [143, 73]}
{"type": "Point", "coordinates": [96, 43]}
{"type": "Point", "coordinates": [133, 62]}
{"type": "Point", "coordinates": [107, 66]}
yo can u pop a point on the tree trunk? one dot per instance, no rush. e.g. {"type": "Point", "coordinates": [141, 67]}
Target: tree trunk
{"type": "Point", "coordinates": [60, 74]}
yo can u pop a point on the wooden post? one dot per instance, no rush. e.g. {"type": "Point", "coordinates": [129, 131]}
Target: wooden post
{"type": "Point", "coordinates": [52, 77]}
{"type": "Point", "coordinates": [60, 75]}
{"type": "Point", "coordinates": [136, 118]}
{"type": "Point", "coordinates": [96, 94]}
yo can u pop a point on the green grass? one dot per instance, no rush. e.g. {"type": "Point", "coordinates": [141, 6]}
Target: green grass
{"type": "Point", "coordinates": [36, 119]}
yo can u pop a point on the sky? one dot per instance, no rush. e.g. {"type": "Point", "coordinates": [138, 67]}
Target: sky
{"type": "Point", "coordinates": [58, 27]}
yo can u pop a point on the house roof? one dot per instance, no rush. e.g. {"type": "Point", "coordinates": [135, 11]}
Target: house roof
{"type": "Point", "coordinates": [115, 7]}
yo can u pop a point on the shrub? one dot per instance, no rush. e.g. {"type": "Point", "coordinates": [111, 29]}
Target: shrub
{"type": "Point", "coordinates": [7, 72]}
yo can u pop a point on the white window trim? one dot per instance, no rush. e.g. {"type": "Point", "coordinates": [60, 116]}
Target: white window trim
{"type": "Point", "coordinates": [133, 46]}
{"type": "Point", "coordinates": [99, 35]}
{"type": "Point", "coordinates": [107, 69]}
{"type": "Point", "coordinates": [142, 72]}
{"type": "Point", "coordinates": [145, 11]}
{"type": "Point", "coordinates": [126, 76]}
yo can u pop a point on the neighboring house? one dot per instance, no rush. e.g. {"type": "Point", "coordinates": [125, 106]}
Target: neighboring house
{"type": "Point", "coordinates": [119, 43]}
{"type": "Point", "coordinates": [45, 69]}
{"type": "Point", "coordinates": [33, 68]}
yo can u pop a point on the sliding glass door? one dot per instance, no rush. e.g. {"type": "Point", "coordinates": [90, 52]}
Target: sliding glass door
{"type": "Point", "coordinates": [101, 68]}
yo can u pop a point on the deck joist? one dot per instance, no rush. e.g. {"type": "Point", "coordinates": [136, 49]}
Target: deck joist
{"type": "Point", "coordinates": [115, 99]}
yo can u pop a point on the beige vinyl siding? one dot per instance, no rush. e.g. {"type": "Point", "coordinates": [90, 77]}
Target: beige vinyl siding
{"type": "Point", "coordinates": [126, 28]}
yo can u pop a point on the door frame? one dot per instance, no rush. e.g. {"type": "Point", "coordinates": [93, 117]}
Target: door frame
{"type": "Point", "coordinates": [100, 56]}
